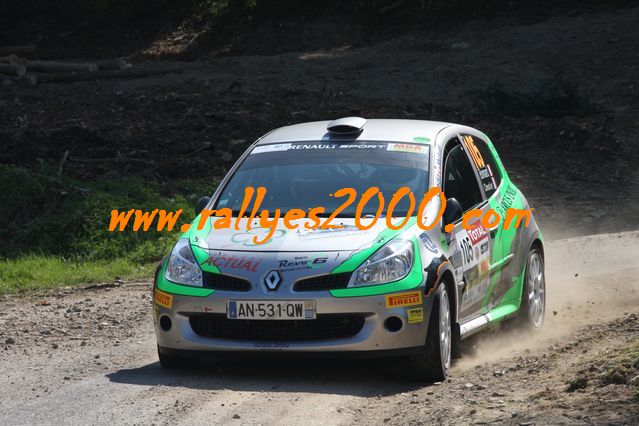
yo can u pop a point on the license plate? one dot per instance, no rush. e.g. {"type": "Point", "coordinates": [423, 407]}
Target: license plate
{"type": "Point", "coordinates": [271, 309]}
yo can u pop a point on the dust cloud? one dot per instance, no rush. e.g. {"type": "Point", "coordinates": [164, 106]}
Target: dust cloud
{"type": "Point", "coordinates": [588, 280]}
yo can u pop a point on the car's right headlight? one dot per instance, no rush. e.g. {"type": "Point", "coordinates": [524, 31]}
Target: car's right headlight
{"type": "Point", "coordinates": [390, 263]}
{"type": "Point", "coordinates": [182, 267]}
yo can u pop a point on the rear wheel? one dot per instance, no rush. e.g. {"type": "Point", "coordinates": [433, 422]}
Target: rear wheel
{"type": "Point", "coordinates": [533, 297]}
{"type": "Point", "coordinates": [433, 362]}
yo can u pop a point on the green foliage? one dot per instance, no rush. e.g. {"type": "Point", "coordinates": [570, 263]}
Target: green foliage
{"type": "Point", "coordinates": [62, 217]}
{"type": "Point", "coordinates": [54, 231]}
{"type": "Point", "coordinates": [35, 272]}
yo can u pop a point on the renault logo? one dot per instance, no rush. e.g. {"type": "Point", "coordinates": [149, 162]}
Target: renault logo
{"type": "Point", "coordinates": [272, 279]}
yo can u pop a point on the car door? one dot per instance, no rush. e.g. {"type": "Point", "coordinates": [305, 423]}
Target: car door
{"type": "Point", "coordinates": [471, 246]}
{"type": "Point", "coordinates": [502, 242]}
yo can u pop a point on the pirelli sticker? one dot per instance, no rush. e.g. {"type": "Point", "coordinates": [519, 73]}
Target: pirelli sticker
{"type": "Point", "coordinates": [404, 299]}
{"type": "Point", "coordinates": [163, 299]}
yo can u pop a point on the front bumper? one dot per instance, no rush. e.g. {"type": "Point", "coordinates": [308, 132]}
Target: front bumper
{"type": "Point", "coordinates": [373, 336]}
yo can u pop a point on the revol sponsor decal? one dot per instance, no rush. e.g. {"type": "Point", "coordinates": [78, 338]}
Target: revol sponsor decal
{"type": "Point", "coordinates": [303, 262]}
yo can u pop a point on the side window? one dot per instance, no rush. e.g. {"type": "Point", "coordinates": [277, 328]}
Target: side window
{"type": "Point", "coordinates": [459, 179]}
{"type": "Point", "coordinates": [485, 163]}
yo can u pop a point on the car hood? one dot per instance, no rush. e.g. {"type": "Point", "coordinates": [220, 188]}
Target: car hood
{"type": "Point", "coordinates": [348, 238]}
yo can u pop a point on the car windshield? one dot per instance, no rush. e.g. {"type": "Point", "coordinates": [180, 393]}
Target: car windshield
{"type": "Point", "coordinates": [302, 175]}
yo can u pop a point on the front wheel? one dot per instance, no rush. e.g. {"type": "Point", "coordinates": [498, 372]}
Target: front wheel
{"type": "Point", "coordinates": [433, 362]}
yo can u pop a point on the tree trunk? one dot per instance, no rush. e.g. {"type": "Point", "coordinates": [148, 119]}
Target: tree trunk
{"type": "Point", "coordinates": [100, 75]}
{"type": "Point", "coordinates": [10, 59]}
{"type": "Point", "coordinates": [8, 50]}
{"type": "Point", "coordinates": [115, 64]}
{"type": "Point", "coordinates": [46, 66]}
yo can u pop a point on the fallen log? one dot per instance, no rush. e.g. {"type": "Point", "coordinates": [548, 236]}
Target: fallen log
{"type": "Point", "coordinates": [46, 66]}
{"type": "Point", "coordinates": [69, 77]}
{"type": "Point", "coordinates": [12, 69]}
{"type": "Point", "coordinates": [8, 50]}
{"type": "Point", "coordinates": [10, 59]}
{"type": "Point", "coordinates": [115, 64]}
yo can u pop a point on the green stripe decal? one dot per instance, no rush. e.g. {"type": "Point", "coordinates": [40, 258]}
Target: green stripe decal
{"type": "Point", "coordinates": [514, 295]}
{"type": "Point", "coordinates": [360, 257]}
{"type": "Point", "coordinates": [202, 257]}
{"type": "Point", "coordinates": [412, 280]}
{"type": "Point", "coordinates": [182, 290]}
{"type": "Point", "coordinates": [505, 237]}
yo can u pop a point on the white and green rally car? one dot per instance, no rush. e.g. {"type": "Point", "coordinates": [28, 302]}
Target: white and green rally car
{"type": "Point", "coordinates": [378, 291]}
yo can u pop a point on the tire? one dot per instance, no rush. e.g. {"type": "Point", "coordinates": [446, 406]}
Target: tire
{"type": "Point", "coordinates": [169, 361]}
{"type": "Point", "coordinates": [533, 294]}
{"type": "Point", "coordinates": [433, 362]}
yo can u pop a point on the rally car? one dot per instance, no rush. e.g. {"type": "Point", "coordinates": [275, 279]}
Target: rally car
{"type": "Point", "coordinates": [346, 290]}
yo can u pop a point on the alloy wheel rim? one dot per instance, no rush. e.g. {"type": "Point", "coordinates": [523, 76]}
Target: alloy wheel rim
{"type": "Point", "coordinates": [536, 290]}
{"type": "Point", "coordinates": [444, 329]}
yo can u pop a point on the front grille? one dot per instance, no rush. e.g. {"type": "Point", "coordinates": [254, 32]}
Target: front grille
{"type": "Point", "coordinates": [323, 327]}
{"type": "Point", "coordinates": [324, 282]}
{"type": "Point", "coordinates": [224, 282]}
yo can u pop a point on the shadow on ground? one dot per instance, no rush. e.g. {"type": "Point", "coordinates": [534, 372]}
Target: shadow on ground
{"type": "Point", "coordinates": [364, 378]}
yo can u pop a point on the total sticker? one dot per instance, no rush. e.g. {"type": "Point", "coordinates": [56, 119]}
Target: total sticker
{"type": "Point", "coordinates": [404, 299]}
{"type": "Point", "coordinates": [163, 299]}
{"type": "Point", "coordinates": [415, 315]}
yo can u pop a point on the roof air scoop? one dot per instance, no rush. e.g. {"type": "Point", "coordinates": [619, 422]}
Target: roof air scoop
{"type": "Point", "coordinates": [346, 125]}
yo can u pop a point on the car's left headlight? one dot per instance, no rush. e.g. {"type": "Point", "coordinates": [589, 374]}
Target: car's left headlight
{"type": "Point", "coordinates": [182, 268]}
{"type": "Point", "coordinates": [390, 263]}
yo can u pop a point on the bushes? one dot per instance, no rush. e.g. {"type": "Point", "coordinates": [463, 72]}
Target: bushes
{"type": "Point", "coordinates": [54, 231]}
{"type": "Point", "coordinates": [43, 214]}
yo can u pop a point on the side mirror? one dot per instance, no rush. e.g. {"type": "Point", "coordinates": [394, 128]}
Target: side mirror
{"type": "Point", "coordinates": [201, 203]}
{"type": "Point", "coordinates": [453, 211]}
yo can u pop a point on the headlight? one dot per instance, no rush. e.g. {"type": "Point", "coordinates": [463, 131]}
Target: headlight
{"type": "Point", "coordinates": [390, 263]}
{"type": "Point", "coordinates": [182, 267]}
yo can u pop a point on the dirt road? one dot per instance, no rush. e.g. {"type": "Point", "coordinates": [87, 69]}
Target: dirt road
{"type": "Point", "coordinates": [88, 356]}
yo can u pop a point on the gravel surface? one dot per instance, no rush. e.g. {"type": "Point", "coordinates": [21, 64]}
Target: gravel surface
{"type": "Point", "coordinates": [78, 356]}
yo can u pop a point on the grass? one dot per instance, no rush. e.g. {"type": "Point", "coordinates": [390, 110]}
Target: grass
{"type": "Point", "coordinates": [622, 367]}
{"type": "Point", "coordinates": [40, 272]}
{"type": "Point", "coordinates": [54, 230]}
